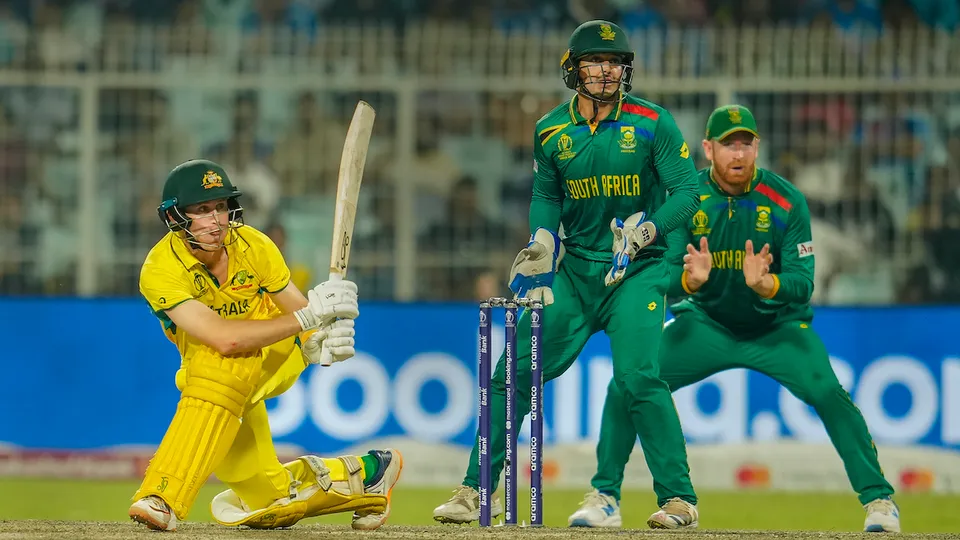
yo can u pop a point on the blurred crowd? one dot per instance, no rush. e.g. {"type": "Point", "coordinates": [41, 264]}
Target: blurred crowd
{"type": "Point", "coordinates": [880, 170]}
{"type": "Point", "coordinates": [308, 16]}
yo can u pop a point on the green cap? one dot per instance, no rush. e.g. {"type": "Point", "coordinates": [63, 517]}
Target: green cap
{"type": "Point", "coordinates": [729, 119]}
{"type": "Point", "coordinates": [599, 36]}
{"type": "Point", "coordinates": [197, 181]}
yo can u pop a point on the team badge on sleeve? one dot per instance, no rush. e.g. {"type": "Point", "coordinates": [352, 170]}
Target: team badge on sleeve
{"type": "Point", "coordinates": [684, 151]}
{"type": "Point", "coordinates": [805, 249]}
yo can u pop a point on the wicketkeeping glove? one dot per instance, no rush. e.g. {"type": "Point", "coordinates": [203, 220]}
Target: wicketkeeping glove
{"type": "Point", "coordinates": [629, 237]}
{"type": "Point", "coordinates": [531, 275]}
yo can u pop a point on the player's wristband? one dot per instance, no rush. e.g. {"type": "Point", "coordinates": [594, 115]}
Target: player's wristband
{"type": "Point", "coordinates": [686, 287]}
{"type": "Point", "coordinates": [775, 289]}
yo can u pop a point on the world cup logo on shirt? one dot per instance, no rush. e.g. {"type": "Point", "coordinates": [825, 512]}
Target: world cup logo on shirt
{"type": "Point", "coordinates": [700, 222]}
{"type": "Point", "coordinates": [565, 146]}
{"type": "Point", "coordinates": [200, 284]}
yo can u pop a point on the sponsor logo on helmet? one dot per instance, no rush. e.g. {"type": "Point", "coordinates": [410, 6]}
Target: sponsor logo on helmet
{"type": "Point", "coordinates": [211, 180]}
{"type": "Point", "coordinates": [607, 33]}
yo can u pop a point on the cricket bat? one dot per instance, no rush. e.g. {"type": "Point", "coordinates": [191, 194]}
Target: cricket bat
{"type": "Point", "coordinates": [352, 160]}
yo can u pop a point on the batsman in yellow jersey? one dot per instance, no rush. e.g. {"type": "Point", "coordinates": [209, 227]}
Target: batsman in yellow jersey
{"type": "Point", "coordinates": [223, 295]}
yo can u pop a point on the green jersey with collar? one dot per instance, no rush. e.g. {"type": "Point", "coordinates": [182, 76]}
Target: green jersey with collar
{"type": "Point", "coordinates": [585, 175]}
{"type": "Point", "coordinates": [771, 211]}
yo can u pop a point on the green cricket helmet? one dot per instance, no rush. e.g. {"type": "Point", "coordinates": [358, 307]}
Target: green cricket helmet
{"type": "Point", "coordinates": [193, 182]}
{"type": "Point", "coordinates": [596, 37]}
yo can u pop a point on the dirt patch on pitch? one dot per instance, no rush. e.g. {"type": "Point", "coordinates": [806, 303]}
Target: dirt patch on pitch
{"type": "Point", "coordinates": [79, 530]}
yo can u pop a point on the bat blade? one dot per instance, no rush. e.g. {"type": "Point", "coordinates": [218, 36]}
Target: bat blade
{"type": "Point", "coordinates": [352, 161]}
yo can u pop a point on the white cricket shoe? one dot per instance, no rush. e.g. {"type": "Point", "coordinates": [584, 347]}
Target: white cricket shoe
{"type": "Point", "coordinates": [155, 513]}
{"type": "Point", "coordinates": [391, 463]}
{"type": "Point", "coordinates": [597, 510]}
{"type": "Point", "coordinates": [676, 513]}
{"type": "Point", "coordinates": [883, 515]}
{"type": "Point", "coordinates": [464, 507]}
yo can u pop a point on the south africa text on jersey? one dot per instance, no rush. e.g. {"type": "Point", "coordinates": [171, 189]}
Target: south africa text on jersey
{"type": "Point", "coordinates": [609, 185]}
{"type": "Point", "coordinates": [728, 259]}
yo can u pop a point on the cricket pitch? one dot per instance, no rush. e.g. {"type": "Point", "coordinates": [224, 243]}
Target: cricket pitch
{"type": "Point", "coordinates": [86, 530]}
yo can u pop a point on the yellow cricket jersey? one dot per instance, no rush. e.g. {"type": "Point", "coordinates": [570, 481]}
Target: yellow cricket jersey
{"type": "Point", "coordinates": [171, 275]}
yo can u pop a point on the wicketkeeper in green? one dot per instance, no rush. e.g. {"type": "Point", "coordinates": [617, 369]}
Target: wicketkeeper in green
{"type": "Point", "coordinates": [604, 165]}
{"type": "Point", "coordinates": [746, 260]}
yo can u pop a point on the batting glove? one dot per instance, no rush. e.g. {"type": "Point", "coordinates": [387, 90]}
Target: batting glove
{"type": "Point", "coordinates": [328, 301]}
{"type": "Point", "coordinates": [531, 275]}
{"type": "Point", "coordinates": [629, 237]}
{"type": "Point", "coordinates": [329, 344]}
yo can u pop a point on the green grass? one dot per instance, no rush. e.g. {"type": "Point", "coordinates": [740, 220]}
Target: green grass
{"type": "Point", "coordinates": [837, 512]}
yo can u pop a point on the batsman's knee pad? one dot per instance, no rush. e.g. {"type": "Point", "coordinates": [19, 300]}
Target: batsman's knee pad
{"type": "Point", "coordinates": [227, 509]}
{"type": "Point", "coordinates": [214, 393]}
{"type": "Point", "coordinates": [331, 486]}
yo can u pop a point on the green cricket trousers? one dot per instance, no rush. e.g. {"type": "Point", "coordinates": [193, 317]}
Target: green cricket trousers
{"type": "Point", "coordinates": [631, 313]}
{"type": "Point", "coordinates": [695, 347]}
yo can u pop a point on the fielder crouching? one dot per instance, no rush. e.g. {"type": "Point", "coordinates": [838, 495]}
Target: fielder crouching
{"type": "Point", "coordinates": [223, 295]}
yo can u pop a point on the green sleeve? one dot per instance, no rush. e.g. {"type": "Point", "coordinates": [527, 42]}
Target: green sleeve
{"type": "Point", "coordinates": [795, 280]}
{"type": "Point", "coordinates": [671, 158]}
{"type": "Point", "coordinates": [677, 242]}
{"type": "Point", "coordinates": [547, 200]}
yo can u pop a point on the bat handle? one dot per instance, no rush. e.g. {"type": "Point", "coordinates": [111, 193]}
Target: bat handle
{"type": "Point", "coordinates": [334, 276]}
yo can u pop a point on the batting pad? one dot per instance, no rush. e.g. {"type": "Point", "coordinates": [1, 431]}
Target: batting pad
{"type": "Point", "coordinates": [227, 509]}
{"type": "Point", "coordinates": [251, 468]}
{"type": "Point", "coordinates": [334, 485]}
{"type": "Point", "coordinates": [321, 486]}
{"type": "Point", "coordinates": [214, 393]}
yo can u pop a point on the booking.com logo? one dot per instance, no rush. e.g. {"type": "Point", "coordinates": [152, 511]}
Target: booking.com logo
{"type": "Point", "coordinates": [728, 407]}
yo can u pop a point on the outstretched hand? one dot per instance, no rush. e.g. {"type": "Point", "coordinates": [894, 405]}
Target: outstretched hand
{"type": "Point", "coordinates": [756, 266]}
{"type": "Point", "coordinates": [697, 264]}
